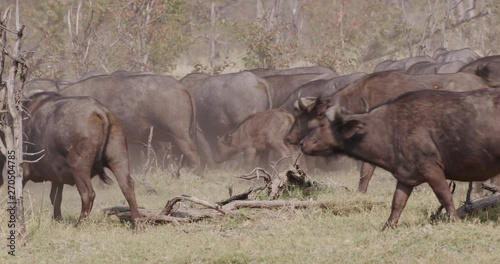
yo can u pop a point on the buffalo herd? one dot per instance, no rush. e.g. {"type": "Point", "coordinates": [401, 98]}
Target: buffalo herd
{"type": "Point", "coordinates": [423, 119]}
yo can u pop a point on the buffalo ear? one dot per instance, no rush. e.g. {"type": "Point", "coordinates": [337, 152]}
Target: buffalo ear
{"type": "Point", "coordinates": [351, 128]}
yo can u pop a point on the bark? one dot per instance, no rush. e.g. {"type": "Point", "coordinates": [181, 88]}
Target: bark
{"type": "Point", "coordinates": [12, 117]}
{"type": "Point", "coordinates": [479, 205]}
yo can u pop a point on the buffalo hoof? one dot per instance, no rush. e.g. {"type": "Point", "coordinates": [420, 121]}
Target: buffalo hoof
{"type": "Point", "coordinates": [138, 225]}
{"type": "Point", "coordinates": [389, 225]}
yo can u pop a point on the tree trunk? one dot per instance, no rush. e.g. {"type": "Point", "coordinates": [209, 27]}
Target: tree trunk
{"type": "Point", "coordinates": [12, 116]}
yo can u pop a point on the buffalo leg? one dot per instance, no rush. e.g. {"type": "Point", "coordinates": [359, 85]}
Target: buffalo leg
{"type": "Point", "coordinates": [56, 199]}
{"type": "Point", "coordinates": [249, 157]}
{"type": "Point", "coordinates": [205, 150]}
{"type": "Point", "coordinates": [84, 186]}
{"type": "Point", "coordinates": [437, 181]}
{"type": "Point", "coordinates": [126, 184]}
{"type": "Point", "coordinates": [365, 176]}
{"type": "Point", "coordinates": [403, 191]}
{"type": "Point", "coordinates": [264, 158]}
{"type": "Point", "coordinates": [116, 160]}
{"type": "Point", "coordinates": [189, 150]}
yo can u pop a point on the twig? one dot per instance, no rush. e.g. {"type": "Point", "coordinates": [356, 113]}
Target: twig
{"type": "Point", "coordinates": [490, 187]}
{"type": "Point", "coordinates": [241, 196]}
{"type": "Point", "coordinates": [255, 175]}
{"type": "Point", "coordinates": [170, 204]}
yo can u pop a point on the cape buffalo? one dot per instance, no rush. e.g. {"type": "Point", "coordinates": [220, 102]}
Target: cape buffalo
{"type": "Point", "coordinates": [421, 136]}
{"type": "Point", "coordinates": [433, 68]}
{"type": "Point", "coordinates": [46, 84]}
{"type": "Point", "coordinates": [224, 101]}
{"type": "Point", "coordinates": [127, 73]}
{"type": "Point", "coordinates": [404, 64]}
{"type": "Point", "coordinates": [320, 88]}
{"type": "Point", "coordinates": [192, 78]}
{"type": "Point", "coordinates": [283, 85]}
{"type": "Point", "coordinates": [259, 133]}
{"type": "Point", "coordinates": [144, 101]}
{"type": "Point", "coordinates": [299, 70]}
{"type": "Point", "coordinates": [487, 68]}
{"type": "Point", "coordinates": [374, 89]}
{"type": "Point", "coordinates": [465, 55]}
{"type": "Point", "coordinates": [79, 137]}
{"type": "Point", "coordinates": [382, 65]}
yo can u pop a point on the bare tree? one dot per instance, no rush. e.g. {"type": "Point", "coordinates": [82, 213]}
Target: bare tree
{"type": "Point", "coordinates": [11, 121]}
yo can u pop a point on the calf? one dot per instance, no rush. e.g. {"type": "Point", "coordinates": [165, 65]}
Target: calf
{"type": "Point", "coordinates": [79, 137]}
{"type": "Point", "coordinates": [422, 136]}
{"type": "Point", "coordinates": [260, 132]}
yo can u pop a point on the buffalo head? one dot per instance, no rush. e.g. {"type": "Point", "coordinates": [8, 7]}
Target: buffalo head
{"type": "Point", "coordinates": [332, 134]}
{"type": "Point", "coordinates": [306, 111]}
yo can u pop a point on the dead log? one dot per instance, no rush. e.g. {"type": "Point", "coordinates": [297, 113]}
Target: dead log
{"type": "Point", "coordinates": [211, 210]}
{"type": "Point", "coordinates": [276, 204]}
{"type": "Point", "coordinates": [479, 205]}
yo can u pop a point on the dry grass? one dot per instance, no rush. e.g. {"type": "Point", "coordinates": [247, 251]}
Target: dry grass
{"type": "Point", "coordinates": [349, 232]}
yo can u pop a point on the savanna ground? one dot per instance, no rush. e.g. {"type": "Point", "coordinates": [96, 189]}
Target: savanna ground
{"type": "Point", "coordinates": [348, 232]}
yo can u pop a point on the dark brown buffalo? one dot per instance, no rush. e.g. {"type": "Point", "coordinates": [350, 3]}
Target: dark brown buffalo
{"type": "Point", "coordinates": [487, 68]}
{"type": "Point", "coordinates": [422, 136]}
{"type": "Point", "coordinates": [79, 137]}
{"type": "Point", "coordinates": [374, 89]}
{"type": "Point", "coordinates": [320, 88]}
{"type": "Point", "coordinates": [144, 101]}
{"type": "Point", "coordinates": [259, 133]}
{"type": "Point", "coordinates": [283, 85]}
{"type": "Point", "coordinates": [261, 72]}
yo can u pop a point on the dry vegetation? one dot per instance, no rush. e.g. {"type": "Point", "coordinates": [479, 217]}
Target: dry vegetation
{"type": "Point", "coordinates": [68, 38]}
{"type": "Point", "coordinates": [348, 231]}
{"type": "Point", "coordinates": [345, 35]}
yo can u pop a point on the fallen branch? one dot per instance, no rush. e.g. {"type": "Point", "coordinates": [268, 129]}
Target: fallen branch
{"type": "Point", "coordinates": [276, 204]}
{"type": "Point", "coordinates": [490, 187]}
{"type": "Point", "coordinates": [241, 196]}
{"type": "Point", "coordinates": [170, 204]}
{"type": "Point", "coordinates": [478, 205]}
{"type": "Point", "coordinates": [168, 215]}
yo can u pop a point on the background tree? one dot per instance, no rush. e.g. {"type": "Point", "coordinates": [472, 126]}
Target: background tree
{"type": "Point", "coordinates": [67, 38]}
